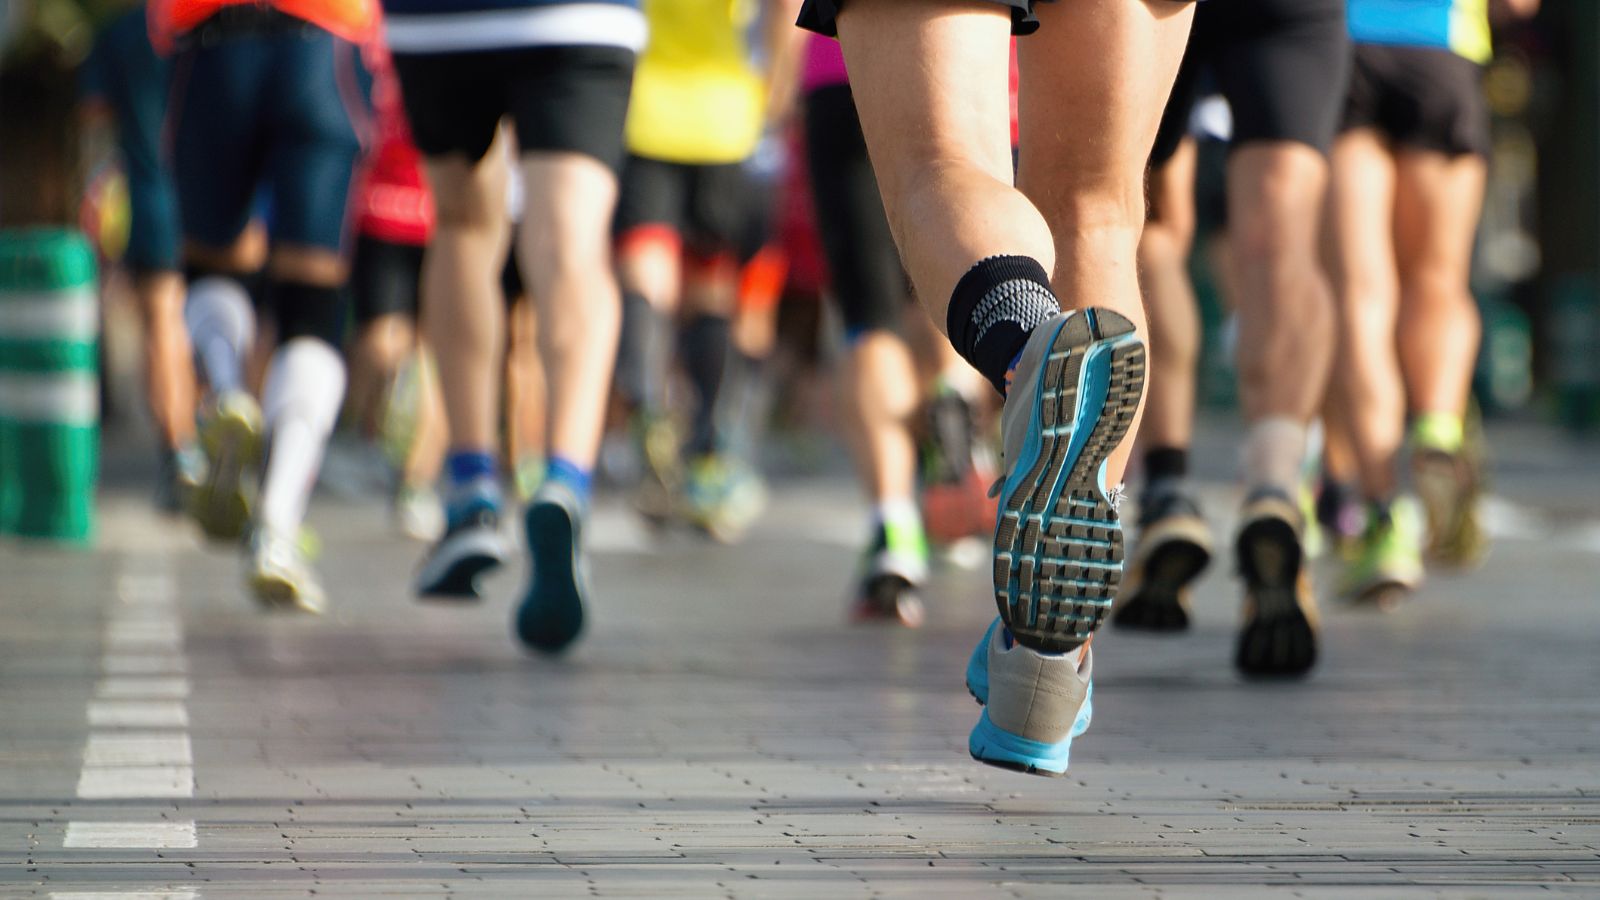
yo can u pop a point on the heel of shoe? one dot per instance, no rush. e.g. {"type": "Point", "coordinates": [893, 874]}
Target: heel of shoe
{"type": "Point", "coordinates": [992, 745]}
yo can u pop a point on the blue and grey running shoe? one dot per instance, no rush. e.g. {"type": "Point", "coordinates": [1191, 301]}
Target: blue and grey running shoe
{"type": "Point", "coordinates": [1034, 704]}
{"type": "Point", "coordinates": [551, 615]}
{"type": "Point", "coordinates": [1058, 542]}
{"type": "Point", "coordinates": [472, 546]}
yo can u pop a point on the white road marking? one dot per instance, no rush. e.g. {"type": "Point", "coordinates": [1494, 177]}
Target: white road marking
{"type": "Point", "coordinates": [131, 664]}
{"type": "Point", "coordinates": [138, 714]}
{"type": "Point", "coordinates": [138, 750]}
{"type": "Point", "coordinates": [173, 687]}
{"type": "Point", "coordinates": [124, 835]}
{"type": "Point", "coordinates": [155, 588]}
{"type": "Point", "coordinates": [135, 782]}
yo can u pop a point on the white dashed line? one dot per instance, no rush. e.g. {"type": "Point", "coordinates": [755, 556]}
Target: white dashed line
{"type": "Point", "coordinates": [144, 687]}
{"type": "Point", "coordinates": [153, 688]}
{"type": "Point", "coordinates": [138, 714]}
{"type": "Point", "coordinates": [138, 750]}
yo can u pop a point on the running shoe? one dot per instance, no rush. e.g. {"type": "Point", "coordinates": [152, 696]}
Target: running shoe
{"type": "Point", "coordinates": [661, 475]}
{"type": "Point", "coordinates": [472, 545]}
{"type": "Point", "coordinates": [280, 577]}
{"type": "Point", "coordinates": [1447, 466]}
{"type": "Point", "coordinates": [1386, 563]}
{"type": "Point", "coordinates": [1339, 514]}
{"type": "Point", "coordinates": [1058, 542]}
{"type": "Point", "coordinates": [182, 472]}
{"type": "Point", "coordinates": [1279, 635]}
{"type": "Point", "coordinates": [723, 497]}
{"type": "Point", "coordinates": [1174, 548]}
{"type": "Point", "coordinates": [1034, 704]}
{"type": "Point", "coordinates": [230, 434]}
{"type": "Point", "coordinates": [893, 570]}
{"type": "Point", "coordinates": [418, 514]}
{"type": "Point", "coordinates": [551, 615]}
{"type": "Point", "coordinates": [955, 483]}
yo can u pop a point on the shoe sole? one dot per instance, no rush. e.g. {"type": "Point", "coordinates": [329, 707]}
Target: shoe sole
{"type": "Point", "coordinates": [1279, 640]}
{"type": "Point", "coordinates": [1455, 537]}
{"type": "Point", "coordinates": [992, 745]}
{"type": "Point", "coordinates": [470, 555]}
{"type": "Point", "coordinates": [1058, 543]}
{"type": "Point", "coordinates": [274, 592]}
{"type": "Point", "coordinates": [551, 615]}
{"type": "Point", "coordinates": [1384, 594]}
{"type": "Point", "coordinates": [232, 444]}
{"type": "Point", "coordinates": [1173, 556]}
{"type": "Point", "coordinates": [888, 599]}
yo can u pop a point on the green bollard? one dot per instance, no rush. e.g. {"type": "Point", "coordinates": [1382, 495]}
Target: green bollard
{"type": "Point", "coordinates": [49, 387]}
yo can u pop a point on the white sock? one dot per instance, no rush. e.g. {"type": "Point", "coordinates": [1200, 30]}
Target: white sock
{"type": "Point", "coordinates": [305, 386]}
{"type": "Point", "coordinates": [895, 510]}
{"type": "Point", "coordinates": [222, 325]}
{"type": "Point", "coordinates": [1274, 454]}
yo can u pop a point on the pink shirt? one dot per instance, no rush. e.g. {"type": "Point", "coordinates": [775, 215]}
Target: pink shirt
{"type": "Point", "coordinates": [824, 64]}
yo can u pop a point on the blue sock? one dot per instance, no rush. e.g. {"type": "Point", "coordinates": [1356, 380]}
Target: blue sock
{"type": "Point", "coordinates": [576, 478]}
{"type": "Point", "coordinates": [474, 484]}
{"type": "Point", "coordinates": [467, 466]}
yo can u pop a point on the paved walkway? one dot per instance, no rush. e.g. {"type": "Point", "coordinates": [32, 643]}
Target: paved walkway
{"type": "Point", "coordinates": [721, 732]}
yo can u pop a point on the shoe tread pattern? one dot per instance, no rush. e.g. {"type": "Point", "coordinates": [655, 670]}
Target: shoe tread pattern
{"type": "Point", "coordinates": [1057, 567]}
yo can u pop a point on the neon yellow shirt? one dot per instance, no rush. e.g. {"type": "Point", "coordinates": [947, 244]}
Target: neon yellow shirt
{"type": "Point", "coordinates": [698, 97]}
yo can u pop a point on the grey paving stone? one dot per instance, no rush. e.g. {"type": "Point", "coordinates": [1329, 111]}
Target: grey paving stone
{"type": "Point", "coordinates": [721, 732]}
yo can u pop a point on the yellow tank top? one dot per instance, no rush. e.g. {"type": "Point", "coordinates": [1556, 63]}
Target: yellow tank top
{"type": "Point", "coordinates": [698, 97]}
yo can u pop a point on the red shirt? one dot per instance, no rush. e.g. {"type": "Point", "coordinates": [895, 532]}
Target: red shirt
{"type": "Point", "coordinates": [392, 199]}
{"type": "Point", "coordinates": [354, 20]}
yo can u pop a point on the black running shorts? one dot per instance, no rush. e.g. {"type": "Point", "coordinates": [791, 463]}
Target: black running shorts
{"type": "Point", "coordinates": [384, 278]}
{"type": "Point", "coordinates": [822, 16]}
{"type": "Point", "coordinates": [1418, 97]}
{"type": "Point", "coordinates": [706, 205]}
{"type": "Point", "coordinates": [1282, 64]}
{"type": "Point", "coordinates": [863, 266]}
{"type": "Point", "coordinates": [572, 99]}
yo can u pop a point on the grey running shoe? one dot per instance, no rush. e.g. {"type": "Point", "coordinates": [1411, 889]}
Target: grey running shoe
{"type": "Point", "coordinates": [279, 576]}
{"type": "Point", "coordinates": [1058, 542]}
{"type": "Point", "coordinates": [1034, 704]}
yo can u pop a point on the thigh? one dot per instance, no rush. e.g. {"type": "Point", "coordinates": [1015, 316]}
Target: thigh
{"type": "Point", "coordinates": [384, 279]}
{"type": "Point", "coordinates": [454, 101]}
{"type": "Point", "coordinates": [320, 116]}
{"type": "Point", "coordinates": [1103, 68]}
{"type": "Point", "coordinates": [570, 99]}
{"type": "Point", "coordinates": [1360, 217]}
{"type": "Point", "coordinates": [863, 266]}
{"type": "Point", "coordinates": [653, 195]}
{"type": "Point", "coordinates": [1438, 200]}
{"type": "Point", "coordinates": [721, 198]}
{"type": "Point", "coordinates": [1285, 71]}
{"type": "Point", "coordinates": [1435, 101]}
{"type": "Point", "coordinates": [218, 149]}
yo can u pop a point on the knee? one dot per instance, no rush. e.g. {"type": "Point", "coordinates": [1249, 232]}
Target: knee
{"type": "Point", "coordinates": [307, 310]}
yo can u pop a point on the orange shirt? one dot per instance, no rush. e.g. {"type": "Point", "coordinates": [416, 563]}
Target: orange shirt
{"type": "Point", "coordinates": [354, 20]}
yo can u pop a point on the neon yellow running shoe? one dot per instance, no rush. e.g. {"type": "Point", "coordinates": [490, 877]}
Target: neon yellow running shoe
{"type": "Point", "coordinates": [1386, 563]}
{"type": "Point", "coordinates": [1447, 466]}
{"type": "Point", "coordinates": [231, 438]}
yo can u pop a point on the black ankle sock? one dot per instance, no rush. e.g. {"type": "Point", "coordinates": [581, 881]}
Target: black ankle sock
{"type": "Point", "coordinates": [994, 309]}
{"type": "Point", "coordinates": [703, 347]}
{"type": "Point", "coordinates": [1161, 463]}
